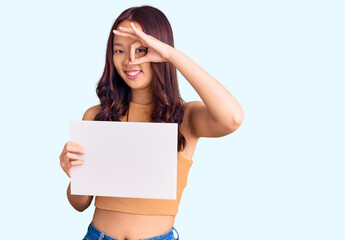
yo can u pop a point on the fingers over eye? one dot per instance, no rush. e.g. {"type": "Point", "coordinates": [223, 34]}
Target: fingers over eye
{"type": "Point", "coordinates": [132, 30]}
{"type": "Point", "coordinates": [134, 47]}
{"type": "Point", "coordinates": [127, 30]}
{"type": "Point", "coordinates": [135, 29]}
{"type": "Point", "coordinates": [124, 34]}
{"type": "Point", "coordinates": [140, 34]}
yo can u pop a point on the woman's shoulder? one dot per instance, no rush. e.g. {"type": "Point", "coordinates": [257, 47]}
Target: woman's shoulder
{"type": "Point", "coordinates": [92, 112]}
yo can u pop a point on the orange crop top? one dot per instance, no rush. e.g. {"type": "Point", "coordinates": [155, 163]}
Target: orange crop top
{"type": "Point", "coordinates": [142, 113]}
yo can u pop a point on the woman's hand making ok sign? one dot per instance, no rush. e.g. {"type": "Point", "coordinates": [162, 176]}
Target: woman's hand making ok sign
{"type": "Point", "coordinates": [157, 51]}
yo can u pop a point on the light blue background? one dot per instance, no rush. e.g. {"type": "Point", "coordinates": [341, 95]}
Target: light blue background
{"type": "Point", "coordinates": [279, 176]}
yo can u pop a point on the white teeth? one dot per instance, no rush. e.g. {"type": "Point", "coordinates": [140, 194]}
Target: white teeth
{"type": "Point", "coordinates": [133, 73]}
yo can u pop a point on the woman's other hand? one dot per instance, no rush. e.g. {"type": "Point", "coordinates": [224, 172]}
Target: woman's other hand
{"type": "Point", "coordinates": [157, 51]}
{"type": "Point", "coordinates": [70, 158]}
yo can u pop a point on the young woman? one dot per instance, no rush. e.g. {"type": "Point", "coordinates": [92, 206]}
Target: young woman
{"type": "Point", "coordinates": [139, 84]}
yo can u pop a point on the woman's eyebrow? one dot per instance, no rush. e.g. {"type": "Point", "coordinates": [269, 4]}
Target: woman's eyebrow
{"type": "Point", "coordinates": [117, 44]}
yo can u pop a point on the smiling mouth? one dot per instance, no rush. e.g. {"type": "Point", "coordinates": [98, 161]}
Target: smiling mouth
{"type": "Point", "coordinates": [133, 74]}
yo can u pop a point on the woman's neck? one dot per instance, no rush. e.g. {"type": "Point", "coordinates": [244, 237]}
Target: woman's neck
{"type": "Point", "coordinates": [141, 97]}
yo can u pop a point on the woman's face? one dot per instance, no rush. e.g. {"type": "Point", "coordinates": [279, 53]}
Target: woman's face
{"type": "Point", "coordinates": [137, 76]}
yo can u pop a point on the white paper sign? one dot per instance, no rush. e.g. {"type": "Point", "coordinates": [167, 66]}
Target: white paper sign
{"type": "Point", "coordinates": [125, 159]}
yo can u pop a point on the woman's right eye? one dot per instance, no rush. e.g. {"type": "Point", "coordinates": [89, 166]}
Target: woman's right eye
{"type": "Point", "coordinates": [118, 51]}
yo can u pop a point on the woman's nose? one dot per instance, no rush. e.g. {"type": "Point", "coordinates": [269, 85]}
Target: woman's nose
{"type": "Point", "coordinates": [126, 60]}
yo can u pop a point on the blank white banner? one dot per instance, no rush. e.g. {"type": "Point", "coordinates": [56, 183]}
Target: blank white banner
{"type": "Point", "coordinates": [125, 159]}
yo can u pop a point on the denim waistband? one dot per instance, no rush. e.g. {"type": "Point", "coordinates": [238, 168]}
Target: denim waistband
{"type": "Point", "coordinates": [96, 234]}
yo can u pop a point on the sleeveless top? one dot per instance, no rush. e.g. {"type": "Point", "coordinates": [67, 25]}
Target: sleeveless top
{"type": "Point", "coordinates": [142, 113]}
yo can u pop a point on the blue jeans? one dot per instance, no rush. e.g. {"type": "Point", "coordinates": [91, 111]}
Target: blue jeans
{"type": "Point", "coordinates": [94, 234]}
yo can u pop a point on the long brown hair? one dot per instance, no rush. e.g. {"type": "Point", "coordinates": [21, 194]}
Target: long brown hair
{"type": "Point", "coordinates": [115, 94]}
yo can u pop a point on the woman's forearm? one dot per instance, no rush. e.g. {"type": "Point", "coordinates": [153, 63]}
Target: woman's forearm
{"type": "Point", "coordinates": [78, 202]}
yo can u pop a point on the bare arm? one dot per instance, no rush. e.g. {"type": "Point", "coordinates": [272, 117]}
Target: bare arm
{"type": "Point", "coordinates": [69, 159]}
{"type": "Point", "coordinates": [78, 202]}
{"type": "Point", "coordinates": [219, 114]}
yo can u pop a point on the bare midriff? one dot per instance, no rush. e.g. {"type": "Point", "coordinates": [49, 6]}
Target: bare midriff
{"type": "Point", "coordinates": [128, 226]}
